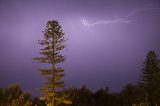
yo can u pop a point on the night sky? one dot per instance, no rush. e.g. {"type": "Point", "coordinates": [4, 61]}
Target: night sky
{"type": "Point", "coordinates": [107, 40]}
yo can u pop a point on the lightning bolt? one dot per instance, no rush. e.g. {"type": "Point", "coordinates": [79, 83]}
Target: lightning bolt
{"type": "Point", "coordinates": [106, 22]}
{"type": "Point", "coordinates": [139, 10]}
{"type": "Point", "coordinates": [121, 20]}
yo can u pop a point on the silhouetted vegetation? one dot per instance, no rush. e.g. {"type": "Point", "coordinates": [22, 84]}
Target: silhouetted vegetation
{"type": "Point", "coordinates": [53, 43]}
{"type": "Point", "coordinates": [150, 78]}
{"type": "Point", "coordinates": [13, 96]}
{"type": "Point", "coordinates": [130, 95]}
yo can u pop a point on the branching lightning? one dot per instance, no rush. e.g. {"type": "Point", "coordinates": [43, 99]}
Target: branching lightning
{"type": "Point", "coordinates": [124, 19]}
{"type": "Point", "coordinates": [106, 22]}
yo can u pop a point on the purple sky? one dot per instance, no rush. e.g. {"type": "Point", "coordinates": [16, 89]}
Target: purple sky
{"type": "Point", "coordinates": [105, 54]}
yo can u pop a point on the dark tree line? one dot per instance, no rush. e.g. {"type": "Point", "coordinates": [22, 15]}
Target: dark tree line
{"type": "Point", "coordinates": [13, 96]}
{"type": "Point", "coordinates": [130, 95]}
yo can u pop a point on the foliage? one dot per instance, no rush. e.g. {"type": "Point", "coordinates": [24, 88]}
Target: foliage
{"type": "Point", "coordinates": [23, 100]}
{"type": "Point", "coordinates": [37, 102]}
{"type": "Point", "coordinates": [105, 98]}
{"type": "Point", "coordinates": [13, 96]}
{"type": "Point", "coordinates": [150, 78]}
{"type": "Point", "coordinates": [53, 44]}
{"type": "Point", "coordinates": [132, 94]}
{"type": "Point", "coordinates": [81, 97]}
{"type": "Point", "coordinates": [101, 96]}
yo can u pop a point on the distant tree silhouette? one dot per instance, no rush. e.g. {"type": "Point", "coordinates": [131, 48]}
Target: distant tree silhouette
{"type": "Point", "coordinates": [53, 44]}
{"type": "Point", "coordinates": [37, 102]}
{"type": "Point", "coordinates": [85, 97]}
{"type": "Point", "coordinates": [105, 98]}
{"type": "Point", "coordinates": [13, 96]}
{"type": "Point", "coordinates": [115, 99]}
{"type": "Point", "coordinates": [81, 97]}
{"type": "Point", "coordinates": [150, 78]}
{"type": "Point", "coordinates": [132, 94]}
{"type": "Point", "coordinates": [102, 97]}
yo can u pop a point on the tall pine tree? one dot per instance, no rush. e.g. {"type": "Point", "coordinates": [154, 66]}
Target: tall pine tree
{"type": "Point", "coordinates": [53, 44]}
{"type": "Point", "coordinates": [150, 78]}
